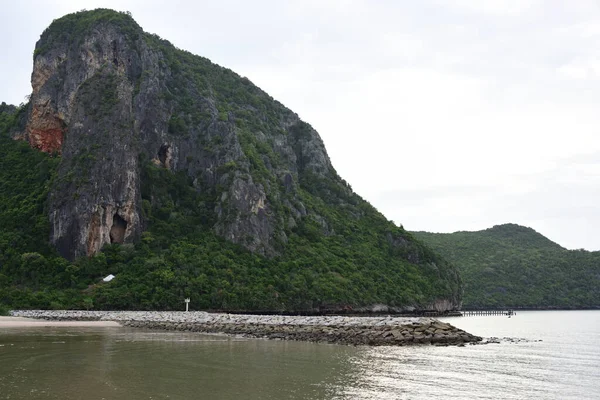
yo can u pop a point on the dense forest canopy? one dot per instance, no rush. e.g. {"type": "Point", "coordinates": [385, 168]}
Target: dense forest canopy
{"type": "Point", "coordinates": [179, 256]}
{"type": "Point", "coordinates": [514, 266]}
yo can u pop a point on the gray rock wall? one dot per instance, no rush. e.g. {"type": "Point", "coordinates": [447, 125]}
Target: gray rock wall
{"type": "Point", "coordinates": [103, 99]}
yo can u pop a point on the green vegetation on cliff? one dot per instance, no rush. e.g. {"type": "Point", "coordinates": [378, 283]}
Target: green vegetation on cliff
{"type": "Point", "coordinates": [179, 255]}
{"type": "Point", "coordinates": [514, 266]}
{"type": "Point", "coordinates": [226, 161]}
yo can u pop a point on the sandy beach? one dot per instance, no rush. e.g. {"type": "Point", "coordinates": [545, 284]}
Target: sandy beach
{"type": "Point", "coordinates": [18, 322]}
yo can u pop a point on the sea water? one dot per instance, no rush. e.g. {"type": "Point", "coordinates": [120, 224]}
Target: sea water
{"type": "Point", "coordinates": [557, 356]}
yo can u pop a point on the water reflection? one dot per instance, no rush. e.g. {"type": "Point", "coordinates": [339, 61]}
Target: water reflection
{"type": "Point", "coordinates": [122, 363]}
{"type": "Point", "coordinates": [131, 364]}
{"type": "Point", "coordinates": [563, 366]}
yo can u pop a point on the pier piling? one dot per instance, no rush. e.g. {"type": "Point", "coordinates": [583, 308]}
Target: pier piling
{"type": "Point", "coordinates": [487, 312]}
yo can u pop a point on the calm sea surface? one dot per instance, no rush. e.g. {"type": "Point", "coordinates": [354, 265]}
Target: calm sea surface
{"type": "Point", "coordinates": [122, 363]}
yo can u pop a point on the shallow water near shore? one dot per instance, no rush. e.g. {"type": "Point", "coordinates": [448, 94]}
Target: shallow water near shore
{"type": "Point", "coordinates": [123, 363]}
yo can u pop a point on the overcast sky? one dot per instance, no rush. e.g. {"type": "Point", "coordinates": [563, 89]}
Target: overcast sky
{"type": "Point", "coordinates": [445, 115]}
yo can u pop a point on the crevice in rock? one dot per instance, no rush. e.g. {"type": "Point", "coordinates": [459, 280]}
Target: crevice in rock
{"type": "Point", "coordinates": [164, 155]}
{"type": "Point", "coordinates": [115, 50]}
{"type": "Point", "coordinates": [117, 231]}
{"type": "Point", "coordinates": [93, 233]}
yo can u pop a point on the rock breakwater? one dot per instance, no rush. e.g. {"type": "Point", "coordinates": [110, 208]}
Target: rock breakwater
{"type": "Point", "coordinates": [373, 331]}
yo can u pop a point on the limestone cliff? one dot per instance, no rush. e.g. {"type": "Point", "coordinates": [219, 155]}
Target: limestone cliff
{"type": "Point", "coordinates": [111, 100]}
{"type": "Point", "coordinates": [104, 93]}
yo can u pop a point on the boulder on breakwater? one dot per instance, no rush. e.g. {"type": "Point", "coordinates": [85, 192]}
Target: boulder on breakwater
{"type": "Point", "coordinates": [373, 331]}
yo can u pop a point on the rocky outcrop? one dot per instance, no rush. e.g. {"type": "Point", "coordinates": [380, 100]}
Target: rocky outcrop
{"type": "Point", "coordinates": [82, 107]}
{"type": "Point", "coordinates": [110, 94]}
{"type": "Point", "coordinates": [45, 130]}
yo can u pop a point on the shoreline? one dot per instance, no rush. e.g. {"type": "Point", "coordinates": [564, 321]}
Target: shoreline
{"type": "Point", "coordinates": [373, 331]}
{"type": "Point", "coordinates": [20, 322]}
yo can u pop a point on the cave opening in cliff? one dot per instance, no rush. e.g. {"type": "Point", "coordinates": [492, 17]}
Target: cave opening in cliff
{"type": "Point", "coordinates": [117, 231]}
{"type": "Point", "coordinates": [163, 155]}
{"type": "Point", "coordinates": [115, 50]}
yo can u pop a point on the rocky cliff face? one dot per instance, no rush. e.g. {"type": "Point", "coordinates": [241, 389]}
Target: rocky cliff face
{"type": "Point", "coordinates": [82, 106]}
{"type": "Point", "coordinates": [105, 93]}
{"type": "Point", "coordinates": [111, 100]}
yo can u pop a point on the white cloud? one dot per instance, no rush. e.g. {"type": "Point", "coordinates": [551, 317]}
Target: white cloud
{"type": "Point", "coordinates": [585, 30]}
{"type": "Point", "coordinates": [586, 69]}
{"type": "Point", "coordinates": [492, 7]}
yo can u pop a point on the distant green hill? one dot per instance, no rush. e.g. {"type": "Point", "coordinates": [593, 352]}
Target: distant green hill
{"type": "Point", "coordinates": [514, 266]}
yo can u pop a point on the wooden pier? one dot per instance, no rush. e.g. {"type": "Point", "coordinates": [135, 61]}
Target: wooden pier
{"type": "Point", "coordinates": [487, 312]}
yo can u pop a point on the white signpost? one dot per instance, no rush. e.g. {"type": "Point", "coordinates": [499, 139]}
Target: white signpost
{"type": "Point", "coordinates": [187, 303]}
